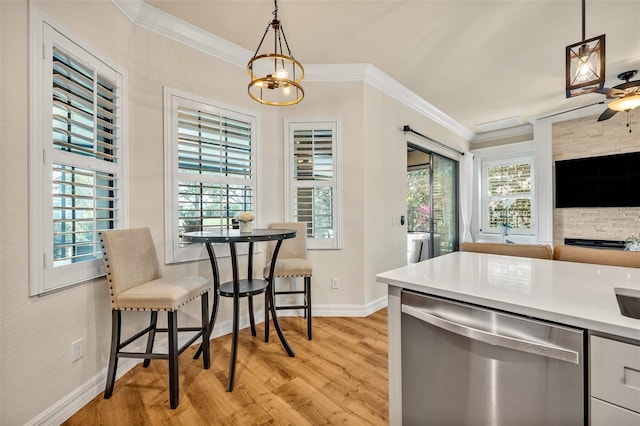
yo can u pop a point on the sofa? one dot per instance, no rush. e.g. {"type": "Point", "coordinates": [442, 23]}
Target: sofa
{"type": "Point", "coordinates": [560, 252]}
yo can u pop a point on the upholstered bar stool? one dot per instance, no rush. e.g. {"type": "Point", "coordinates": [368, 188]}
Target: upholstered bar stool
{"type": "Point", "coordinates": [291, 263]}
{"type": "Point", "coordinates": [135, 285]}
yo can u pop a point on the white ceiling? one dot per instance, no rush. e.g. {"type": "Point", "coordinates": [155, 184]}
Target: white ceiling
{"type": "Point", "coordinates": [476, 61]}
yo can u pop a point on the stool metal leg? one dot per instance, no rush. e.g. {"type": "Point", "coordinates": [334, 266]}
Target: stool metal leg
{"type": "Point", "coordinates": [172, 330]}
{"type": "Point", "coordinates": [307, 295]}
{"type": "Point", "coordinates": [266, 315]}
{"type": "Point", "coordinates": [205, 347]}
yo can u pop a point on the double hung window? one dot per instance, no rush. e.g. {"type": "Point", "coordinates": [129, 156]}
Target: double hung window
{"type": "Point", "coordinates": [76, 160]}
{"type": "Point", "coordinates": [211, 169]}
{"type": "Point", "coordinates": [313, 191]}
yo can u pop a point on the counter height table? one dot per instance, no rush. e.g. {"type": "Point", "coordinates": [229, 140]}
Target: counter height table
{"type": "Point", "coordinates": [238, 288]}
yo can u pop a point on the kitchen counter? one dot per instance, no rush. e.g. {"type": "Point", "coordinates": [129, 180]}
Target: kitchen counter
{"type": "Point", "coordinates": [577, 294]}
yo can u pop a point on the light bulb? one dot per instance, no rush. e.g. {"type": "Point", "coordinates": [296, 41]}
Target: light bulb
{"type": "Point", "coordinates": [282, 74]}
{"type": "Point", "coordinates": [286, 89]}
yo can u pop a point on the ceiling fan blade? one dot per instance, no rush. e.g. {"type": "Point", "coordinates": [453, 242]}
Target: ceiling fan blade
{"type": "Point", "coordinates": [607, 114]}
{"type": "Point", "coordinates": [611, 92]}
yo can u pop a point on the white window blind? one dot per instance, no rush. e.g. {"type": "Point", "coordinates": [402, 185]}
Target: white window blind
{"type": "Point", "coordinates": [212, 171]}
{"type": "Point", "coordinates": [313, 188]}
{"type": "Point", "coordinates": [509, 196]}
{"type": "Point", "coordinates": [78, 184]}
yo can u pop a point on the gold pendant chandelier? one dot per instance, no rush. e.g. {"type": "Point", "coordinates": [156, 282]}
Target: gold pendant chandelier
{"type": "Point", "coordinates": [275, 77]}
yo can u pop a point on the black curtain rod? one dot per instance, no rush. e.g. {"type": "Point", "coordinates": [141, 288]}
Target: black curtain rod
{"type": "Point", "coordinates": [408, 128]}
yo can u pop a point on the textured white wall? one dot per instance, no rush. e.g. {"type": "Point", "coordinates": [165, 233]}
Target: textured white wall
{"type": "Point", "coordinates": [36, 332]}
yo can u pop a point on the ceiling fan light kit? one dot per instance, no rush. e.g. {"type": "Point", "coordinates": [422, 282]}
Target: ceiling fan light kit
{"type": "Point", "coordinates": [275, 77]}
{"type": "Point", "coordinates": [585, 64]}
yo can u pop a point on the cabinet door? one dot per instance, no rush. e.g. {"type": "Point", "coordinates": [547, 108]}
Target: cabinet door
{"type": "Point", "coordinates": [615, 372]}
{"type": "Point", "coordinates": [605, 414]}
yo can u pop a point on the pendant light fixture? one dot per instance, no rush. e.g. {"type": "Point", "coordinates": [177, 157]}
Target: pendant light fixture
{"type": "Point", "coordinates": [275, 77]}
{"type": "Point", "coordinates": [585, 71]}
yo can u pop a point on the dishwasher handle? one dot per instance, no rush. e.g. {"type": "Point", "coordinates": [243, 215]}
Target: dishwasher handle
{"type": "Point", "coordinates": [537, 348]}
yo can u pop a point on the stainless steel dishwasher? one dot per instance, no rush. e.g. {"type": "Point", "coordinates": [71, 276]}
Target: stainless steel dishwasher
{"type": "Point", "coordinates": [467, 365]}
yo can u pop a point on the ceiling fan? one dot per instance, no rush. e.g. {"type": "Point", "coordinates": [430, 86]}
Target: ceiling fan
{"type": "Point", "coordinates": [624, 97]}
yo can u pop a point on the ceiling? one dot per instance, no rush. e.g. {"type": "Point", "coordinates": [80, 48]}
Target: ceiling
{"type": "Point", "coordinates": [476, 61]}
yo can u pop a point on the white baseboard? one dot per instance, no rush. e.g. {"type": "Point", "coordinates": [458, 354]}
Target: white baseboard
{"type": "Point", "coordinates": [82, 395]}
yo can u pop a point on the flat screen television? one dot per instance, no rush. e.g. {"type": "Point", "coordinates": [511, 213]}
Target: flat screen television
{"type": "Point", "coordinates": [606, 181]}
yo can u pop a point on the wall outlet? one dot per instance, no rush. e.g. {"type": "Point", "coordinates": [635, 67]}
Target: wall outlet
{"type": "Point", "coordinates": [335, 283]}
{"type": "Point", "coordinates": [77, 349]}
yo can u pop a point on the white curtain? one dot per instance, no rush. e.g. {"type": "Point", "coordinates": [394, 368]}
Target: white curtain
{"type": "Point", "coordinates": [466, 194]}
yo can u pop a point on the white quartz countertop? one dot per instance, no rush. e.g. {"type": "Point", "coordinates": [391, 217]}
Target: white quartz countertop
{"type": "Point", "coordinates": [577, 294]}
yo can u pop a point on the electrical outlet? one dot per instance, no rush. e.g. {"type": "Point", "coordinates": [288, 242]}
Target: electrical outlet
{"type": "Point", "coordinates": [77, 349]}
{"type": "Point", "coordinates": [335, 283]}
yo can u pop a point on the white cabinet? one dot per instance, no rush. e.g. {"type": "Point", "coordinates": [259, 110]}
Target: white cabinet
{"type": "Point", "coordinates": [615, 382]}
{"type": "Point", "coordinates": [605, 414]}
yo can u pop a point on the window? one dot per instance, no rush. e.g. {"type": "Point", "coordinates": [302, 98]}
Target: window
{"type": "Point", "coordinates": [508, 196]}
{"type": "Point", "coordinates": [313, 186]}
{"type": "Point", "coordinates": [211, 169]}
{"type": "Point", "coordinates": [76, 159]}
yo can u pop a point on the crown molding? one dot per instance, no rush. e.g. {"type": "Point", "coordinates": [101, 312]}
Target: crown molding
{"type": "Point", "coordinates": [158, 21]}
{"type": "Point", "coordinates": [153, 19]}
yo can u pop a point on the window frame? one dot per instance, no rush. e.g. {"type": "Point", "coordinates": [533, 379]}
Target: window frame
{"type": "Point", "coordinates": [173, 98]}
{"type": "Point", "coordinates": [486, 163]}
{"type": "Point", "coordinates": [44, 33]}
{"type": "Point", "coordinates": [290, 125]}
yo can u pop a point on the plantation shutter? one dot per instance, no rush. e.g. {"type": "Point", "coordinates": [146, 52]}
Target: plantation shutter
{"type": "Point", "coordinates": [81, 188]}
{"type": "Point", "coordinates": [313, 177]}
{"type": "Point", "coordinates": [215, 168]}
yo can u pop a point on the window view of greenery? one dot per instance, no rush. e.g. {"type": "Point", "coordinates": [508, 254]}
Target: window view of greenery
{"type": "Point", "coordinates": [418, 200]}
{"type": "Point", "coordinates": [432, 203]}
{"type": "Point", "coordinates": [509, 197]}
{"type": "Point", "coordinates": [214, 161]}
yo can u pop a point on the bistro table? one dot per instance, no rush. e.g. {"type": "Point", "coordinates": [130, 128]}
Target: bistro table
{"type": "Point", "coordinates": [238, 288]}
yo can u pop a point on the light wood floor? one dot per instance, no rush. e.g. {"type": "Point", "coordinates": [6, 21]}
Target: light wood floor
{"type": "Point", "coordinates": [340, 377]}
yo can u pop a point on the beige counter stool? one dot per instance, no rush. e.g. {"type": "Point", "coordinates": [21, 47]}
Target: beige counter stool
{"type": "Point", "coordinates": [135, 284]}
{"type": "Point", "coordinates": [291, 263]}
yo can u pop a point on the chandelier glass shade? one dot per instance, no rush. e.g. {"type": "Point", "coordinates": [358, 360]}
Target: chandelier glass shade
{"type": "Point", "coordinates": [585, 64]}
{"type": "Point", "coordinates": [275, 77]}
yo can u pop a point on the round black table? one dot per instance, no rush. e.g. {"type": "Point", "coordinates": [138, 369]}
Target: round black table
{"type": "Point", "coordinates": [238, 288]}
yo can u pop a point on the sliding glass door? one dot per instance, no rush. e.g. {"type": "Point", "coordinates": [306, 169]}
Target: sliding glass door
{"type": "Point", "coordinates": [432, 204]}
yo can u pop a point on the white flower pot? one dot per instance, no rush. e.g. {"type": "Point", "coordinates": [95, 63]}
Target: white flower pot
{"type": "Point", "coordinates": [246, 226]}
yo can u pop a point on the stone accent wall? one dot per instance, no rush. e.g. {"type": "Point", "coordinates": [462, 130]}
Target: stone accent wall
{"type": "Point", "coordinates": [586, 137]}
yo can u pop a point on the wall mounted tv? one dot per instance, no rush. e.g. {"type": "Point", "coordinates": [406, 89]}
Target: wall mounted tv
{"type": "Point", "coordinates": [606, 181]}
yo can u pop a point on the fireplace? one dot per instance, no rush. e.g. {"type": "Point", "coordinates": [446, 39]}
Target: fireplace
{"type": "Point", "coordinates": [601, 244]}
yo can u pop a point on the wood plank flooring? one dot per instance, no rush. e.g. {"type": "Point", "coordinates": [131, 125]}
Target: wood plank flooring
{"type": "Point", "coordinates": [340, 377]}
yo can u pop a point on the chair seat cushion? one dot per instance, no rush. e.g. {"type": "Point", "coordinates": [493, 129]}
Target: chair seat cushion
{"type": "Point", "coordinates": [290, 268]}
{"type": "Point", "coordinates": [165, 294]}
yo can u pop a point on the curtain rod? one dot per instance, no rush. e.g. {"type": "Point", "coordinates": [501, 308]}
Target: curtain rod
{"type": "Point", "coordinates": [408, 128]}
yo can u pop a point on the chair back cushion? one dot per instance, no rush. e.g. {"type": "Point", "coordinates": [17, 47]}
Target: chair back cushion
{"type": "Point", "coordinates": [539, 251]}
{"type": "Point", "coordinates": [292, 248]}
{"type": "Point", "coordinates": [129, 257]}
{"type": "Point", "coordinates": [599, 256]}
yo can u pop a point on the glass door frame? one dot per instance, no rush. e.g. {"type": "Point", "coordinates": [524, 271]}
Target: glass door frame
{"type": "Point", "coordinates": [456, 195]}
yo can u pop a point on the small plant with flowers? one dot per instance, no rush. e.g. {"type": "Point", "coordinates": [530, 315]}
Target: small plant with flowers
{"type": "Point", "coordinates": [245, 217]}
{"type": "Point", "coordinates": [632, 243]}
